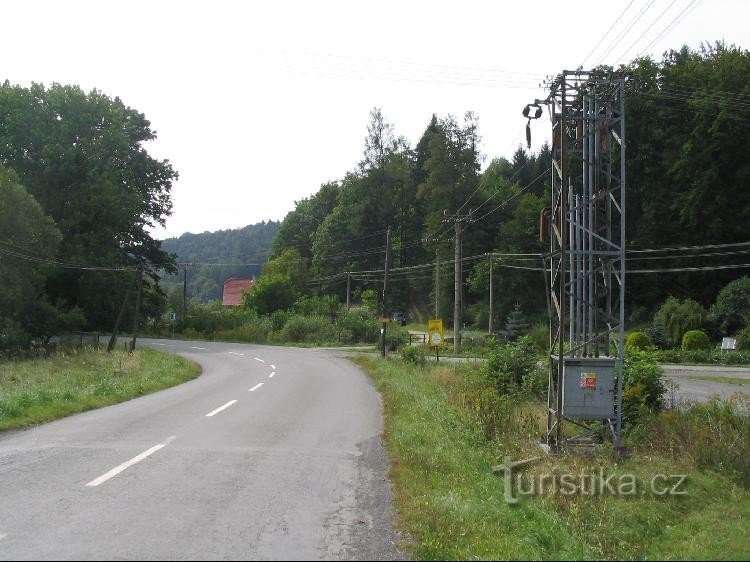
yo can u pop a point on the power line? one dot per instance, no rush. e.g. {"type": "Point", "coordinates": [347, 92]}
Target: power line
{"type": "Point", "coordinates": [674, 23]}
{"type": "Point", "coordinates": [57, 263]}
{"type": "Point", "coordinates": [645, 31]}
{"type": "Point", "coordinates": [614, 23]}
{"type": "Point", "coordinates": [630, 26]}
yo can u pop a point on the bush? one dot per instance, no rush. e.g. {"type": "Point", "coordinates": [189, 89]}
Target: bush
{"type": "Point", "coordinates": [278, 319]}
{"type": "Point", "coordinates": [360, 324]}
{"type": "Point", "coordinates": [416, 354]}
{"type": "Point", "coordinates": [318, 306]}
{"type": "Point", "coordinates": [732, 308]}
{"type": "Point", "coordinates": [643, 389]}
{"type": "Point", "coordinates": [695, 340]}
{"type": "Point", "coordinates": [539, 334]}
{"type": "Point", "coordinates": [312, 329]}
{"type": "Point", "coordinates": [677, 317]}
{"type": "Point", "coordinates": [395, 336]}
{"type": "Point", "coordinates": [509, 365]}
{"type": "Point", "coordinates": [638, 341]}
{"type": "Point", "coordinates": [743, 339]}
{"type": "Point", "coordinates": [255, 332]}
{"type": "Point", "coordinates": [657, 336]}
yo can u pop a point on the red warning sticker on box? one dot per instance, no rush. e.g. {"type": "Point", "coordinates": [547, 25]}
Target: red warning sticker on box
{"type": "Point", "coordinates": [588, 380]}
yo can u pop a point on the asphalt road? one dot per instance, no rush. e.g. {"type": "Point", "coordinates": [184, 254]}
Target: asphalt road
{"type": "Point", "coordinates": [272, 453]}
{"type": "Point", "coordinates": [686, 389]}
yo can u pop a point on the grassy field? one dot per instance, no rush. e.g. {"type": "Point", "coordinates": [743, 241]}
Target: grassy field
{"type": "Point", "coordinates": [445, 429]}
{"type": "Point", "coordinates": [39, 390]}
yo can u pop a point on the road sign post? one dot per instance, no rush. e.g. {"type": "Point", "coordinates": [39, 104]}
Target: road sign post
{"type": "Point", "coordinates": [435, 334]}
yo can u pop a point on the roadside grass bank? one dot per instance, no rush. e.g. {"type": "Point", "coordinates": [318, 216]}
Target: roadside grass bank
{"type": "Point", "coordinates": [721, 379]}
{"type": "Point", "coordinates": [446, 427]}
{"type": "Point", "coordinates": [39, 390]}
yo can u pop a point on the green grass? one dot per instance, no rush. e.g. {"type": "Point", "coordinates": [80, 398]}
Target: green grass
{"type": "Point", "coordinates": [40, 390]}
{"type": "Point", "coordinates": [725, 380]}
{"type": "Point", "coordinates": [445, 429]}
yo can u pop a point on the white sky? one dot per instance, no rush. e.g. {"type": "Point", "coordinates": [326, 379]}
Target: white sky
{"type": "Point", "coordinates": [257, 104]}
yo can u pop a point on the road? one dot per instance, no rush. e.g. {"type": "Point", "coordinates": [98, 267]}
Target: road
{"type": "Point", "coordinates": [687, 389]}
{"type": "Point", "coordinates": [272, 453]}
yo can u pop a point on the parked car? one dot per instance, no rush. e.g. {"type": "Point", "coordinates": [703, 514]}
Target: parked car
{"type": "Point", "coordinates": [399, 317]}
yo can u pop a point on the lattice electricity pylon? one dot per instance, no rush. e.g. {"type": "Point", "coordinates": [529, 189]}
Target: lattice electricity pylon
{"type": "Point", "coordinates": [585, 226]}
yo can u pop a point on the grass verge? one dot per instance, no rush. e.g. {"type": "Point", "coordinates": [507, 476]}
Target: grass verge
{"type": "Point", "coordinates": [724, 380]}
{"type": "Point", "coordinates": [445, 429]}
{"type": "Point", "coordinates": [40, 390]}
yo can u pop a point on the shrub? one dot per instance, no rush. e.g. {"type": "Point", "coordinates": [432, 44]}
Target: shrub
{"type": "Point", "coordinates": [637, 341]}
{"type": "Point", "coordinates": [509, 365]}
{"type": "Point", "coordinates": [677, 317]}
{"type": "Point", "coordinates": [743, 339]}
{"type": "Point", "coordinates": [254, 332]}
{"type": "Point", "coordinates": [643, 389]}
{"type": "Point", "coordinates": [657, 336]}
{"type": "Point", "coordinates": [360, 323]}
{"type": "Point", "coordinates": [539, 334]}
{"type": "Point", "coordinates": [416, 354]}
{"type": "Point", "coordinates": [396, 336]}
{"type": "Point", "coordinates": [315, 329]}
{"type": "Point", "coordinates": [732, 308]}
{"type": "Point", "coordinates": [318, 306]}
{"type": "Point", "coordinates": [278, 319]}
{"type": "Point", "coordinates": [695, 340]}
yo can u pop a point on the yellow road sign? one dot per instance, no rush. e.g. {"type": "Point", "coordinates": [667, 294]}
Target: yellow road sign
{"type": "Point", "coordinates": [435, 331]}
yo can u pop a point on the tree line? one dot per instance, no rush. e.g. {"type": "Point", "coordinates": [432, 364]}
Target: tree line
{"type": "Point", "coordinates": [79, 192]}
{"type": "Point", "coordinates": [688, 122]}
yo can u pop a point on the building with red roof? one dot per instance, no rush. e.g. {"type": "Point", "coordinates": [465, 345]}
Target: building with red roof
{"type": "Point", "coordinates": [234, 291]}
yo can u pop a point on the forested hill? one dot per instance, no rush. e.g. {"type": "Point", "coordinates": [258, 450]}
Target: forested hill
{"type": "Point", "coordinates": [216, 256]}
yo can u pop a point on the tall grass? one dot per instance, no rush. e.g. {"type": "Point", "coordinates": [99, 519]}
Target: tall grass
{"type": "Point", "coordinates": [39, 390]}
{"type": "Point", "coordinates": [446, 426]}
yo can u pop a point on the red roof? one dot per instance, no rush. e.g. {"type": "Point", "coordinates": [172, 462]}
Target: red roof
{"type": "Point", "coordinates": [234, 289]}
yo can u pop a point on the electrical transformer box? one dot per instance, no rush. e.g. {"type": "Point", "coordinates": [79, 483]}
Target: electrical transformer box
{"type": "Point", "coordinates": [588, 388]}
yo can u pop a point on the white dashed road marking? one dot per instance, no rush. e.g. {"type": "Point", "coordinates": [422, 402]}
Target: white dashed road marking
{"type": "Point", "coordinates": [271, 375]}
{"type": "Point", "coordinates": [273, 367]}
{"type": "Point", "coordinates": [194, 347]}
{"type": "Point", "coordinates": [219, 409]}
{"type": "Point", "coordinates": [259, 359]}
{"type": "Point", "coordinates": [256, 387]}
{"type": "Point", "coordinates": [235, 353]}
{"type": "Point", "coordinates": [118, 469]}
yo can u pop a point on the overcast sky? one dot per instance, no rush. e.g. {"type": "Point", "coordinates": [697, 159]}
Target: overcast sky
{"type": "Point", "coordinates": [257, 104]}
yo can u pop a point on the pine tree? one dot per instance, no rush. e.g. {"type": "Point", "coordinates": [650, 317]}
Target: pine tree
{"type": "Point", "coordinates": [515, 324]}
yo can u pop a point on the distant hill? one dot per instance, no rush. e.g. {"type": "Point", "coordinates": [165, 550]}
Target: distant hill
{"type": "Point", "coordinates": [215, 255]}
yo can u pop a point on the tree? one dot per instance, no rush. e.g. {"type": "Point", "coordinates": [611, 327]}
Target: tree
{"type": "Point", "coordinates": [82, 157]}
{"type": "Point", "coordinates": [271, 293]}
{"type": "Point", "coordinates": [28, 242]}
{"type": "Point", "coordinates": [732, 308]}
{"type": "Point", "coordinates": [515, 324]}
{"type": "Point", "coordinates": [677, 316]}
{"type": "Point", "coordinates": [688, 176]}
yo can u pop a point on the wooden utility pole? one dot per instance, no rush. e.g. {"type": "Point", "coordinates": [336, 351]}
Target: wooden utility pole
{"type": "Point", "coordinates": [184, 292]}
{"type": "Point", "coordinates": [457, 289]}
{"type": "Point", "coordinates": [113, 337]}
{"type": "Point", "coordinates": [348, 289]}
{"type": "Point", "coordinates": [437, 283]}
{"type": "Point", "coordinates": [383, 306]}
{"type": "Point", "coordinates": [137, 307]}
{"type": "Point", "coordinates": [457, 219]}
{"type": "Point", "coordinates": [489, 327]}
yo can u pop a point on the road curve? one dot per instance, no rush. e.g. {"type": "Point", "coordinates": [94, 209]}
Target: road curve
{"type": "Point", "coordinates": [272, 453]}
